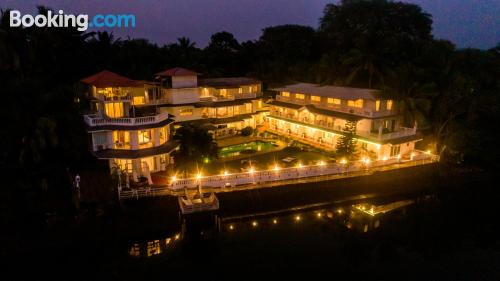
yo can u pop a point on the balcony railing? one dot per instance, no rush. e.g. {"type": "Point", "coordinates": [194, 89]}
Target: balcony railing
{"type": "Point", "coordinates": [401, 132]}
{"type": "Point", "coordinates": [104, 98]}
{"type": "Point", "coordinates": [94, 120]}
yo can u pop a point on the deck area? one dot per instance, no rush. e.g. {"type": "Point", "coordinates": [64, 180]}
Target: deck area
{"type": "Point", "coordinates": [276, 178]}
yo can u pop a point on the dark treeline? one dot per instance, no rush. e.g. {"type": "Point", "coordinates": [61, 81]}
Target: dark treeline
{"type": "Point", "coordinates": [451, 93]}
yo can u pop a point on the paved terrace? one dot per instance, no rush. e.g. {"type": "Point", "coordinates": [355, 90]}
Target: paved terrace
{"type": "Point", "coordinates": [279, 176]}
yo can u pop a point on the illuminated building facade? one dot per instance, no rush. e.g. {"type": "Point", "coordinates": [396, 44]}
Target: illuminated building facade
{"type": "Point", "coordinates": [318, 115]}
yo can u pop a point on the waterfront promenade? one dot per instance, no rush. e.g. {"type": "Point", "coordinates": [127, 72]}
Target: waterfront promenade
{"type": "Point", "coordinates": [278, 177]}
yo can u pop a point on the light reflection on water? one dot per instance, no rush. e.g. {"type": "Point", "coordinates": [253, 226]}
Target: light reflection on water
{"type": "Point", "coordinates": [359, 218]}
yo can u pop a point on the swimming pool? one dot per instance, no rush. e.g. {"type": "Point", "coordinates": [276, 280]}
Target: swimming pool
{"type": "Point", "coordinates": [246, 148]}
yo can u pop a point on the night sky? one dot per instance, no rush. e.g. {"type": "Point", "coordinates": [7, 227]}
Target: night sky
{"type": "Point", "coordinates": [467, 23]}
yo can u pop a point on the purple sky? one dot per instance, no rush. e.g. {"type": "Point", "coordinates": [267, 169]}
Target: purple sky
{"type": "Point", "coordinates": [467, 23]}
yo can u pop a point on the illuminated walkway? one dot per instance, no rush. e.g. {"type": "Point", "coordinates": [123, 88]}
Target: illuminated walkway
{"type": "Point", "coordinates": [279, 176]}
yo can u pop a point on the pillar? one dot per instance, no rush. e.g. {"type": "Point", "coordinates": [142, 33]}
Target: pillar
{"type": "Point", "coordinates": [134, 140]}
{"type": "Point", "coordinates": [156, 137]}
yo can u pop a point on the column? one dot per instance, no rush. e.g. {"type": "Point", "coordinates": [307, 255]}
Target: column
{"type": "Point", "coordinates": [109, 140]}
{"type": "Point", "coordinates": [156, 137]}
{"type": "Point", "coordinates": [134, 140]}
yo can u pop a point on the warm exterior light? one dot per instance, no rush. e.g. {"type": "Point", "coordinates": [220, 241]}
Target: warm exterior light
{"type": "Point", "coordinates": [412, 155]}
{"type": "Point", "coordinates": [254, 223]}
{"type": "Point", "coordinates": [297, 218]}
{"type": "Point", "coordinates": [226, 173]}
{"type": "Point", "coordinates": [174, 178]}
{"type": "Point", "coordinates": [339, 211]}
{"type": "Point", "coordinates": [276, 168]}
{"type": "Point", "coordinates": [385, 158]}
{"type": "Point", "coordinates": [378, 146]}
{"type": "Point", "coordinates": [399, 156]}
{"type": "Point", "coordinates": [177, 236]}
{"type": "Point", "coordinates": [275, 221]}
{"type": "Point", "coordinates": [231, 227]}
{"type": "Point", "coordinates": [367, 161]}
{"type": "Point", "coordinates": [428, 152]}
{"type": "Point", "coordinates": [198, 176]}
{"type": "Point", "coordinates": [318, 215]}
{"type": "Point", "coordinates": [343, 161]}
{"type": "Point", "coordinates": [251, 171]}
{"type": "Point", "coordinates": [299, 165]}
{"type": "Point", "coordinates": [321, 163]}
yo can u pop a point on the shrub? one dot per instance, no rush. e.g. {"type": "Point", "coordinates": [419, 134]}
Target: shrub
{"type": "Point", "coordinates": [247, 131]}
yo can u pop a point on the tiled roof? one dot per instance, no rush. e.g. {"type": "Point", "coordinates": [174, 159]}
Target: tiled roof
{"type": "Point", "coordinates": [107, 78]}
{"type": "Point", "coordinates": [330, 91]}
{"type": "Point", "coordinates": [176, 71]}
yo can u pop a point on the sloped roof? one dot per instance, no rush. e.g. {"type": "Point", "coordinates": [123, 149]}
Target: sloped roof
{"type": "Point", "coordinates": [107, 78]}
{"type": "Point", "coordinates": [176, 71]}
{"type": "Point", "coordinates": [330, 91]}
{"type": "Point", "coordinates": [227, 82]}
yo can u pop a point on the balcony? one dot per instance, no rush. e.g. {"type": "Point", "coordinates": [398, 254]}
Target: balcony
{"type": "Point", "coordinates": [339, 107]}
{"type": "Point", "coordinates": [95, 120]}
{"type": "Point", "coordinates": [401, 132]}
{"type": "Point", "coordinates": [114, 98]}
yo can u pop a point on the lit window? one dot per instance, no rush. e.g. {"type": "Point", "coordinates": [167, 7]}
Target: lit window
{"type": "Point", "coordinates": [389, 104]}
{"type": "Point", "coordinates": [186, 112]}
{"type": "Point", "coordinates": [316, 98]}
{"type": "Point", "coordinates": [300, 96]}
{"type": "Point", "coordinates": [144, 136]}
{"type": "Point", "coordinates": [138, 100]}
{"type": "Point", "coordinates": [333, 101]}
{"type": "Point", "coordinates": [395, 150]}
{"type": "Point", "coordinates": [223, 92]}
{"type": "Point", "coordinates": [285, 94]}
{"type": "Point", "coordinates": [205, 92]}
{"type": "Point", "coordinates": [114, 109]}
{"type": "Point", "coordinates": [121, 139]}
{"type": "Point", "coordinates": [355, 103]}
{"type": "Point", "coordinates": [377, 105]}
{"type": "Point", "coordinates": [249, 89]}
{"type": "Point", "coordinates": [240, 90]}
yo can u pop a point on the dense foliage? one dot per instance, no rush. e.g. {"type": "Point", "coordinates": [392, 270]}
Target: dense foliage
{"type": "Point", "coordinates": [451, 93]}
{"type": "Point", "coordinates": [346, 145]}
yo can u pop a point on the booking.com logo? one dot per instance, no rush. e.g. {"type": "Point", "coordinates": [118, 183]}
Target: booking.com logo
{"type": "Point", "coordinates": [81, 21]}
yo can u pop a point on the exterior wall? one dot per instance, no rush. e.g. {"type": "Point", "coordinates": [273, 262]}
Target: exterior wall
{"type": "Point", "coordinates": [137, 167]}
{"type": "Point", "coordinates": [182, 96]}
{"type": "Point", "coordinates": [231, 91]}
{"type": "Point", "coordinates": [176, 111]}
{"type": "Point", "coordinates": [184, 81]}
{"type": "Point", "coordinates": [110, 140]}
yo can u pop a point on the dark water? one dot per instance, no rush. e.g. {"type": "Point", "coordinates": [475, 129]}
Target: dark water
{"type": "Point", "coordinates": [304, 230]}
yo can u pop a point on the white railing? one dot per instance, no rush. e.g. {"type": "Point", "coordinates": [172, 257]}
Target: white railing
{"type": "Point", "coordinates": [94, 120]}
{"type": "Point", "coordinates": [113, 98]}
{"type": "Point", "coordinates": [299, 172]}
{"type": "Point", "coordinates": [401, 132]}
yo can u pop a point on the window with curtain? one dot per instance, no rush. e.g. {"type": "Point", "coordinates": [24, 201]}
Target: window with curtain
{"type": "Point", "coordinates": [114, 109]}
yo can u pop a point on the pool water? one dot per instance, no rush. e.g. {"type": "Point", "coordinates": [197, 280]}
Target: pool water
{"type": "Point", "coordinates": [246, 148]}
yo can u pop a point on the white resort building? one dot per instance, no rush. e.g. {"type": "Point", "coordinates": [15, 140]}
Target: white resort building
{"type": "Point", "coordinates": [317, 115]}
{"type": "Point", "coordinates": [130, 121]}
